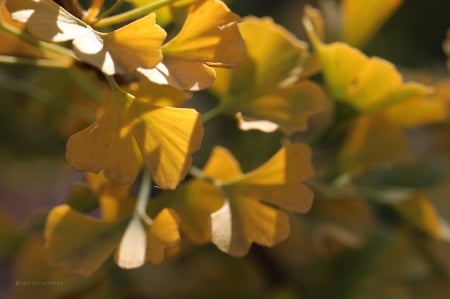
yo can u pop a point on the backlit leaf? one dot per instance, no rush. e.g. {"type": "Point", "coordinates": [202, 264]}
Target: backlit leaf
{"type": "Point", "coordinates": [80, 243]}
{"type": "Point", "coordinates": [264, 87]}
{"type": "Point", "coordinates": [193, 202]}
{"type": "Point", "coordinates": [245, 217]}
{"type": "Point", "coordinates": [166, 137]}
{"type": "Point", "coordinates": [202, 42]}
{"type": "Point", "coordinates": [135, 45]}
{"type": "Point", "coordinates": [362, 19]}
{"type": "Point", "coordinates": [368, 84]}
{"type": "Point", "coordinates": [162, 233]}
{"type": "Point", "coordinates": [374, 141]}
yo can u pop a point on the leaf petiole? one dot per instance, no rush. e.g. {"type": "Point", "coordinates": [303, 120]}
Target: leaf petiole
{"type": "Point", "coordinates": [133, 14]}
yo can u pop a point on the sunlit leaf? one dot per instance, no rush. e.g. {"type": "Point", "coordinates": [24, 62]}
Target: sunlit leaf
{"type": "Point", "coordinates": [200, 44]}
{"type": "Point", "coordinates": [265, 86]}
{"type": "Point", "coordinates": [135, 45]}
{"type": "Point", "coordinates": [245, 217]}
{"type": "Point", "coordinates": [108, 143]}
{"type": "Point", "coordinates": [80, 243]}
{"type": "Point", "coordinates": [46, 20]}
{"type": "Point", "coordinates": [193, 202]}
{"type": "Point", "coordinates": [160, 95]}
{"type": "Point", "coordinates": [374, 141]}
{"type": "Point", "coordinates": [418, 112]}
{"type": "Point", "coordinates": [114, 198]}
{"type": "Point", "coordinates": [368, 84]}
{"type": "Point", "coordinates": [133, 245]}
{"type": "Point", "coordinates": [162, 233]}
{"type": "Point", "coordinates": [362, 19]}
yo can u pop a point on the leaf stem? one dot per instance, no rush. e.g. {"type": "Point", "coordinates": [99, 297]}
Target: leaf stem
{"type": "Point", "coordinates": [93, 11]}
{"type": "Point", "coordinates": [40, 62]}
{"type": "Point", "coordinates": [143, 196]}
{"type": "Point", "coordinates": [110, 10]}
{"type": "Point", "coordinates": [214, 112]}
{"type": "Point", "coordinates": [132, 14]}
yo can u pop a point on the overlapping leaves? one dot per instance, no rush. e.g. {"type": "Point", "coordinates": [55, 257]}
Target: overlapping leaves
{"type": "Point", "coordinates": [265, 87]}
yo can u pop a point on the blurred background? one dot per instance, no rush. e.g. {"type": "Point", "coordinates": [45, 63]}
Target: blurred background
{"type": "Point", "coordinates": [40, 108]}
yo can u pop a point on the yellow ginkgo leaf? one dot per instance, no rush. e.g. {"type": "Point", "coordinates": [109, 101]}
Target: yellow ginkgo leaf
{"type": "Point", "coordinates": [417, 112]}
{"type": "Point", "coordinates": [362, 19]}
{"type": "Point", "coordinates": [162, 233]}
{"type": "Point", "coordinates": [166, 138]}
{"type": "Point", "coordinates": [114, 198]}
{"type": "Point", "coordinates": [135, 45]}
{"type": "Point", "coordinates": [245, 217]}
{"type": "Point", "coordinates": [160, 95]}
{"type": "Point", "coordinates": [368, 84]}
{"type": "Point", "coordinates": [80, 243]}
{"type": "Point", "coordinates": [193, 202]}
{"type": "Point", "coordinates": [264, 87]}
{"type": "Point", "coordinates": [243, 221]}
{"type": "Point", "coordinates": [202, 42]}
{"type": "Point", "coordinates": [374, 141]}
{"type": "Point", "coordinates": [419, 210]}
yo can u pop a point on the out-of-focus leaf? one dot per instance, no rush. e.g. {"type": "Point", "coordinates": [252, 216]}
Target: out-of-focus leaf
{"type": "Point", "coordinates": [373, 142]}
{"type": "Point", "coordinates": [193, 202]}
{"type": "Point", "coordinates": [418, 210]}
{"type": "Point", "coordinates": [34, 277]}
{"type": "Point", "coordinates": [79, 243]}
{"type": "Point", "coordinates": [362, 19]}
{"type": "Point", "coordinates": [162, 233]}
{"type": "Point", "coordinates": [368, 84]}
{"type": "Point", "coordinates": [265, 86]}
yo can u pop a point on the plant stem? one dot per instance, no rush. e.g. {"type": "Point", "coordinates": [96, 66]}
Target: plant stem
{"type": "Point", "coordinates": [93, 11]}
{"type": "Point", "coordinates": [143, 196]}
{"type": "Point", "coordinates": [133, 14]}
{"type": "Point", "coordinates": [110, 10]}
{"type": "Point", "coordinates": [40, 62]}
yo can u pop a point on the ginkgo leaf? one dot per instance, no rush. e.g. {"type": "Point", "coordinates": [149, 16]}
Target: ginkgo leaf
{"type": "Point", "coordinates": [166, 137]}
{"type": "Point", "coordinates": [374, 141]}
{"type": "Point", "coordinates": [362, 19]}
{"type": "Point", "coordinates": [418, 112]}
{"type": "Point", "coordinates": [46, 20]}
{"type": "Point", "coordinates": [193, 202]}
{"type": "Point", "coordinates": [133, 245]}
{"type": "Point", "coordinates": [418, 209]}
{"type": "Point", "coordinates": [160, 95]}
{"type": "Point", "coordinates": [264, 87]}
{"type": "Point", "coordinates": [245, 217]}
{"type": "Point", "coordinates": [80, 243]}
{"type": "Point", "coordinates": [114, 198]}
{"type": "Point", "coordinates": [135, 45]}
{"type": "Point", "coordinates": [243, 221]}
{"type": "Point", "coordinates": [162, 233]}
{"type": "Point", "coordinates": [201, 43]}
{"type": "Point", "coordinates": [368, 84]}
